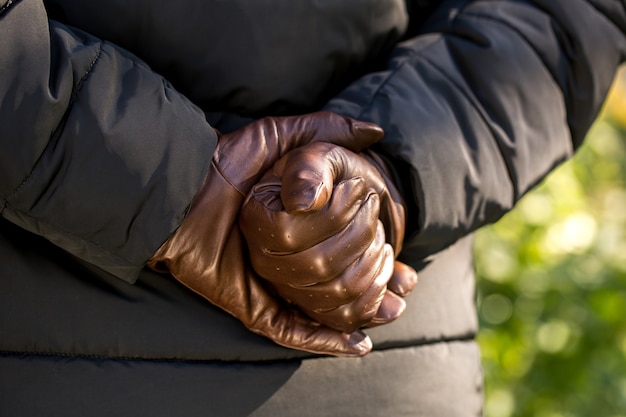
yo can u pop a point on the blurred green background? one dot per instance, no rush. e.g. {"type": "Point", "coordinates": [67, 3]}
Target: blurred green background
{"type": "Point", "coordinates": [552, 286]}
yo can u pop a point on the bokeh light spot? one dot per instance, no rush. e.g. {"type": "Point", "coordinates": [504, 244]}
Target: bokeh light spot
{"type": "Point", "coordinates": [496, 308]}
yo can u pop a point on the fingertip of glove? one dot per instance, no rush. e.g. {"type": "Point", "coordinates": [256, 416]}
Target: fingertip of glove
{"type": "Point", "coordinates": [369, 133]}
{"type": "Point", "coordinates": [390, 309]}
{"type": "Point", "coordinates": [360, 344]}
{"type": "Point", "coordinates": [404, 279]}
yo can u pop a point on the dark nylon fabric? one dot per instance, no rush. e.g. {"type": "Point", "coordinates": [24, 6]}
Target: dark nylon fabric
{"type": "Point", "coordinates": [275, 56]}
{"type": "Point", "coordinates": [76, 342]}
{"type": "Point", "coordinates": [485, 140]}
{"type": "Point", "coordinates": [97, 152]}
{"type": "Point", "coordinates": [52, 303]}
{"type": "Point", "coordinates": [469, 145]}
{"type": "Point", "coordinates": [445, 381]}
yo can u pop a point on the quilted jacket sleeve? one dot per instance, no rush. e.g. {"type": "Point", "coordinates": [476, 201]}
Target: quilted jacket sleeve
{"type": "Point", "coordinates": [98, 154]}
{"type": "Point", "coordinates": [484, 102]}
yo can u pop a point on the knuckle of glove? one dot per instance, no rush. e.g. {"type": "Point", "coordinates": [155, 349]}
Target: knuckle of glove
{"type": "Point", "coordinates": [358, 313]}
{"type": "Point", "coordinates": [265, 223]}
{"type": "Point", "coordinates": [278, 257]}
{"type": "Point", "coordinates": [393, 210]}
{"type": "Point", "coordinates": [337, 280]}
{"type": "Point", "coordinates": [351, 284]}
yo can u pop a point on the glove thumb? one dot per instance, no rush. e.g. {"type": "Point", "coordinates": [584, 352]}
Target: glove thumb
{"type": "Point", "coordinates": [308, 175]}
{"type": "Point", "coordinates": [307, 179]}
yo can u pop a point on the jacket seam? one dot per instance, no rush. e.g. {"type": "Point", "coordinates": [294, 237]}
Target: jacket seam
{"type": "Point", "coordinates": [138, 358]}
{"type": "Point", "coordinates": [470, 337]}
{"type": "Point", "coordinates": [73, 235]}
{"type": "Point", "coordinates": [4, 10]}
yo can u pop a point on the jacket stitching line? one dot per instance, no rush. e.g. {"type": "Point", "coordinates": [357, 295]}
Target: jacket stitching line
{"type": "Point", "coordinates": [4, 10]}
{"type": "Point", "coordinates": [137, 358]}
{"type": "Point", "coordinates": [469, 337]}
{"type": "Point", "coordinates": [64, 231]}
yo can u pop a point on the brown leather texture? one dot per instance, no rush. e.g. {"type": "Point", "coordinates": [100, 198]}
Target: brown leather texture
{"type": "Point", "coordinates": [208, 253]}
{"type": "Point", "coordinates": [314, 230]}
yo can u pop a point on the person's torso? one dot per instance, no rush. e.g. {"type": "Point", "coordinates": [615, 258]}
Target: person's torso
{"type": "Point", "coordinates": [249, 57]}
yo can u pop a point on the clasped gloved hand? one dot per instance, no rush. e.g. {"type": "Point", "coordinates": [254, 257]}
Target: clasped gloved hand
{"type": "Point", "coordinates": [208, 255]}
{"type": "Point", "coordinates": [324, 227]}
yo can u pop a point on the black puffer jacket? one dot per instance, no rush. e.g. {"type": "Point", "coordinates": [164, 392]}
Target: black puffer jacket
{"type": "Point", "coordinates": [106, 115]}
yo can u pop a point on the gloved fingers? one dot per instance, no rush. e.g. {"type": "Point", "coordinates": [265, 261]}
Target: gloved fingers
{"type": "Point", "coordinates": [309, 173]}
{"type": "Point", "coordinates": [327, 259]}
{"type": "Point", "coordinates": [269, 316]}
{"type": "Point", "coordinates": [269, 228]}
{"type": "Point", "coordinates": [393, 217]}
{"type": "Point", "coordinates": [247, 153]}
{"type": "Point", "coordinates": [345, 288]}
{"type": "Point", "coordinates": [364, 309]}
{"type": "Point", "coordinates": [391, 307]}
{"type": "Point", "coordinates": [403, 280]}
{"type": "Point", "coordinates": [293, 330]}
{"type": "Point", "coordinates": [249, 302]}
{"type": "Point", "coordinates": [392, 210]}
{"type": "Point", "coordinates": [330, 127]}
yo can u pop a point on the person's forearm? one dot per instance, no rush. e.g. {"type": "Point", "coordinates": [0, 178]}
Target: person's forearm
{"type": "Point", "coordinates": [98, 153]}
{"type": "Point", "coordinates": [485, 102]}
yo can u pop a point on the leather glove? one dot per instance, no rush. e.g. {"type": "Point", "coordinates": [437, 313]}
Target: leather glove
{"type": "Point", "coordinates": [313, 230]}
{"type": "Point", "coordinates": [207, 253]}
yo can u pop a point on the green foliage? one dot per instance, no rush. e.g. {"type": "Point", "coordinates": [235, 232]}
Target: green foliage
{"type": "Point", "coordinates": [552, 287]}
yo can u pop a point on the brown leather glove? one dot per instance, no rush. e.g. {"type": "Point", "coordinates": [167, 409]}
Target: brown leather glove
{"type": "Point", "coordinates": [313, 230]}
{"type": "Point", "coordinates": [208, 255]}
